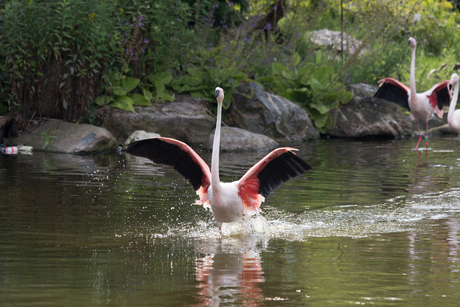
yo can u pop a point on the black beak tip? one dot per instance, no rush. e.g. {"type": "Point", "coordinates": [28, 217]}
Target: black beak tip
{"type": "Point", "coordinates": [217, 93]}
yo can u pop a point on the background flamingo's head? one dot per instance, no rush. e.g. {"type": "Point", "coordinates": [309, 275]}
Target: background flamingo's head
{"type": "Point", "coordinates": [412, 42]}
{"type": "Point", "coordinates": [219, 94]}
{"type": "Point", "coordinates": [453, 79]}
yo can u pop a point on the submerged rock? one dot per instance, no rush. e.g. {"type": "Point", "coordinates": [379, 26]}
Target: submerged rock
{"type": "Point", "coordinates": [255, 110]}
{"type": "Point", "coordinates": [67, 138]}
{"type": "Point", "coordinates": [233, 138]}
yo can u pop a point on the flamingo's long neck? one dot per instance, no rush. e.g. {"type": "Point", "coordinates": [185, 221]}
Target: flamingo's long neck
{"type": "Point", "coordinates": [215, 180]}
{"type": "Point", "coordinates": [453, 103]}
{"type": "Point", "coordinates": [413, 96]}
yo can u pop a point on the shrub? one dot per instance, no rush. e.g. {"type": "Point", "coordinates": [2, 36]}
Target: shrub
{"type": "Point", "coordinates": [54, 53]}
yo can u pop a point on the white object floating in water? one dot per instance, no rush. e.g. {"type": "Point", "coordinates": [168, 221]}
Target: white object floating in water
{"type": "Point", "coordinates": [25, 149]}
{"type": "Point", "coordinates": [12, 150]}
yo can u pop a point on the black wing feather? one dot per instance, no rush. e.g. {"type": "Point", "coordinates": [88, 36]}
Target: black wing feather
{"type": "Point", "coordinates": [393, 93]}
{"type": "Point", "coordinates": [443, 97]}
{"type": "Point", "coordinates": [280, 170]}
{"type": "Point", "coordinates": [165, 153]}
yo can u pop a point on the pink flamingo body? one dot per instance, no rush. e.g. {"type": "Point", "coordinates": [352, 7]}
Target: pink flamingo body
{"type": "Point", "coordinates": [453, 117]}
{"type": "Point", "coordinates": [229, 201]}
{"type": "Point", "coordinates": [421, 105]}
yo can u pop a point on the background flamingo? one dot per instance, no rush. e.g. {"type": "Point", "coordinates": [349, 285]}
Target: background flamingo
{"type": "Point", "coordinates": [453, 117]}
{"type": "Point", "coordinates": [421, 105]}
{"type": "Point", "coordinates": [229, 201]}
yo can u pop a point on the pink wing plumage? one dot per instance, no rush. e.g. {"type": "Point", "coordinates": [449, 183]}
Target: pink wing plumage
{"type": "Point", "coordinates": [275, 168]}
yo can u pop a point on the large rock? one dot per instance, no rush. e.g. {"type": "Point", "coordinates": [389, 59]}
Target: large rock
{"type": "Point", "coordinates": [367, 116]}
{"type": "Point", "coordinates": [67, 138]}
{"type": "Point", "coordinates": [255, 110]}
{"type": "Point", "coordinates": [185, 121]}
{"type": "Point", "coordinates": [333, 39]}
{"type": "Point", "coordinates": [239, 139]}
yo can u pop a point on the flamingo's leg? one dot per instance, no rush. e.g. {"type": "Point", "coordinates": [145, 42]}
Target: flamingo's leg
{"type": "Point", "coordinates": [419, 136]}
{"type": "Point", "coordinates": [426, 136]}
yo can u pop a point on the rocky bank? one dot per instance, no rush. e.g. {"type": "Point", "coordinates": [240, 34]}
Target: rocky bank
{"type": "Point", "coordinates": [255, 120]}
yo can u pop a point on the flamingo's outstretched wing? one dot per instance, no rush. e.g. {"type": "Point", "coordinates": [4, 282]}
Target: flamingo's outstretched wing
{"type": "Point", "coordinates": [438, 96]}
{"type": "Point", "coordinates": [275, 168]}
{"type": "Point", "coordinates": [392, 90]}
{"type": "Point", "coordinates": [180, 156]}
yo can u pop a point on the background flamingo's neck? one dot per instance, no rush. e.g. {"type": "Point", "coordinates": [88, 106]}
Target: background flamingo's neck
{"type": "Point", "coordinates": [412, 77]}
{"type": "Point", "coordinates": [215, 180]}
{"type": "Point", "coordinates": [453, 103]}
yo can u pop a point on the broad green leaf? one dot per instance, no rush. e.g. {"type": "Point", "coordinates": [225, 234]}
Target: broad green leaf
{"type": "Point", "coordinates": [305, 71]}
{"type": "Point", "coordinates": [165, 77]}
{"type": "Point", "coordinates": [192, 81]}
{"type": "Point", "coordinates": [123, 103]}
{"type": "Point", "coordinates": [296, 59]}
{"type": "Point", "coordinates": [118, 91]}
{"type": "Point", "coordinates": [323, 122]}
{"type": "Point", "coordinates": [319, 55]}
{"type": "Point", "coordinates": [323, 74]}
{"type": "Point", "coordinates": [287, 75]}
{"type": "Point", "coordinates": [344, 97]}
{"type": "Point", "coordinates": [199, 94]}
{"type": "Point", "coordinates": [139, 100]}
{"type": "Point", "coordinates": [159, 88]}
{"type": "Point", "coordinates": [168, 97]}
{"type": "Point", "coordinates": [315, 85]}
{"type": "Point", "coordinates": [277, 68]}
{"type": "Point", "coordinates": [147, 94]}
{"type": "Point", "coordinates": [227, 100]}
{"type": "Point", "coordinates": [101, 99]}
{"type": "Point", "coordinates": [321, 108]}
{"type": "Point", "coordinates": [128, 84]}
{"type": "Point", "coordinates": [195, 72]}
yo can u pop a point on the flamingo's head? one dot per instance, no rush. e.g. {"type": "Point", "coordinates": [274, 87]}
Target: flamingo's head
{"type": "Point", "coordinates": [412, 42]}
{"type": "Point", "coordinates": [219, 94]}
{"type": "Point", "coordinates": [453, 79]}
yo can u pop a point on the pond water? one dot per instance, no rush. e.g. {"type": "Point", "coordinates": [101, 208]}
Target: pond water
{"type": "Point", "coordinates": [374, 223]}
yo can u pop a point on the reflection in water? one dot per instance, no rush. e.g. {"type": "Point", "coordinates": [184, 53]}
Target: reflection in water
{"type": "Point", "coordinates": [436, 253]}
{"type": "Point", "coordinates": [453, 240]}
{"type": "Point", "coordinates": [229, 273]}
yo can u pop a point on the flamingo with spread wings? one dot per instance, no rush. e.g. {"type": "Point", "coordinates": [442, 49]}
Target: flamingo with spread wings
{"type": "Point", "coordinates": [229, 201]}
{"type": "Point", "coordinates": [421, 105]}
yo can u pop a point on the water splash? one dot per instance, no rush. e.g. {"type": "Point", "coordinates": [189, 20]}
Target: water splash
{"type": "Point", "coordinates": [395, 215]}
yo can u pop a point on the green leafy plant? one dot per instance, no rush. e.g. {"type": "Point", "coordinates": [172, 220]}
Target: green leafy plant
{"type": "Point", "coordinates": [48, 138]}
{"type": "Point", "coordinates": [54, 55]}
{"type": "Point", "coordinates": [314, 86]}
{"type": "Point", "coordinates": [119, 96]}
{"type": "Point", "coordinates": [213, 70]}
{"type": "Point", "coordinates": [158, 82]}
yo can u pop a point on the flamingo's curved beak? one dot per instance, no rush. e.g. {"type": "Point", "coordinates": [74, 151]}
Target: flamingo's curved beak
{"type": "Point", "coordinates": [217, 93]}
